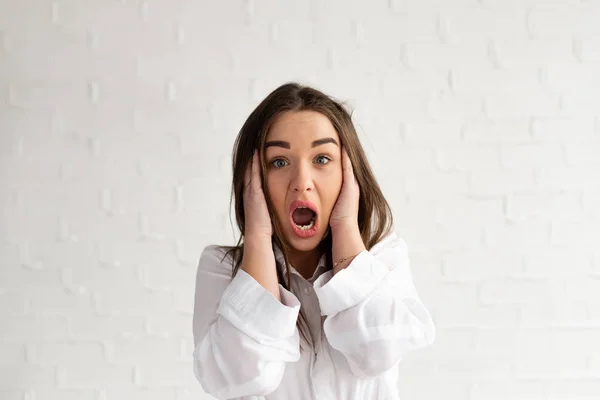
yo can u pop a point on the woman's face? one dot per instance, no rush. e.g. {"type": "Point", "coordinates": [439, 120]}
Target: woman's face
{"type": "Point", "coordinates": [303, 162]}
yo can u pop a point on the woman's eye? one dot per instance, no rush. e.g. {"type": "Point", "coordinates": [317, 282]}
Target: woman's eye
{"type": "Point", "coordinates": [274, 163]}
{"type": "Point", "coordinates": [323, 158]}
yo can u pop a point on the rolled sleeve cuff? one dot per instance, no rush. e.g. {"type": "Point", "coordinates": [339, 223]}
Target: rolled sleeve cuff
{"type": "Point", "coordinates": [254, 310]}
{"type": "Point", "coordinates": [351, 285]}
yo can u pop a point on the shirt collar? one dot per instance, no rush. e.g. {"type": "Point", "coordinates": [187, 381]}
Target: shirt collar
{"type": "Point", "coordinates": [321, 265]}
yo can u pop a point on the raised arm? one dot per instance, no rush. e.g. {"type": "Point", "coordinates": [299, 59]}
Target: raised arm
{"type": "Point", "coordinates": [244, 328]}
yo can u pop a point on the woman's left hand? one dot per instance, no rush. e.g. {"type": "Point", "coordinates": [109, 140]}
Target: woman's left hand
{"type": "Point", "coordinates": [345, 211]}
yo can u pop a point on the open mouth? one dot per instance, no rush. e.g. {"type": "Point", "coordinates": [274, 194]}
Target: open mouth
{"type": "Point", "coordinates": [304, 218]}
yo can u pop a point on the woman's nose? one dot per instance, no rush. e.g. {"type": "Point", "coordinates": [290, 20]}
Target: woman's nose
{"type": "Point", "coordinates": [303, 180]}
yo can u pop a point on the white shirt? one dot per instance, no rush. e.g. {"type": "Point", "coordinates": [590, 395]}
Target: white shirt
{"type": "Point", "coordinates": [364, 319]}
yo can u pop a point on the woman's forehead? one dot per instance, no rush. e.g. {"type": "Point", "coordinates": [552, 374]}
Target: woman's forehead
{"type": "Point", "coordinates": [301, 127]}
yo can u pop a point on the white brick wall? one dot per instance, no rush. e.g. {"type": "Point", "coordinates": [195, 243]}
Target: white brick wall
{"type": "Point", "coordinates": [117, 118]}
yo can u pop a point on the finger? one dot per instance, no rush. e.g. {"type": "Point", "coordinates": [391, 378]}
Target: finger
{"type": "Point", "coordinates": [247, 173]}
{"type": "Point", "coordinates": [255, 181]}
{"type": "Point", "coordinates": [349, 169]}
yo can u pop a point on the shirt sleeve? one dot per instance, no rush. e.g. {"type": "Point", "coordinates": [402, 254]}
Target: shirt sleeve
{"type": "Point", "coordinates": [374, 315]}
{"type": "Point", "coordinates": [243, 335]}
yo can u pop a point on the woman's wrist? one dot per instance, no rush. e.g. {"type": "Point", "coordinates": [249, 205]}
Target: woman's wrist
{"type": "Point", "coordinates": [346, 244]}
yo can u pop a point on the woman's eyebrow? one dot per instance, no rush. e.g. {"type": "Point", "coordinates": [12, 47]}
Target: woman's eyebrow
{"type": "Point", "coordinates": [286, 145]}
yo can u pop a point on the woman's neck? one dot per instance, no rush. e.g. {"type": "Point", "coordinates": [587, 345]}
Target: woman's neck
{"type": "Point", "coordinates": [306, 262]}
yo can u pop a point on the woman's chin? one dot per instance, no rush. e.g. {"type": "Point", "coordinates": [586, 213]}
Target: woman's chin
{"type": "Point", "coordinates": [303, 241]}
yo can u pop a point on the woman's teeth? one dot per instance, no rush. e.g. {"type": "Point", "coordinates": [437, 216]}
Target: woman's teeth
{"type": "Point", "coordinates": [306, 227]}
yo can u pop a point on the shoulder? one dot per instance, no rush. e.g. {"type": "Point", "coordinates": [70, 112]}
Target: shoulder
{"type": "Point", "coordinates": [216, 259]}
{"type": "Point", "coordinates": [389, 241]}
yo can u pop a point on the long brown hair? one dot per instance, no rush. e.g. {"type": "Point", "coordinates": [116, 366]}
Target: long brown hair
{"type": "Point", "coordinates": [375, 219]}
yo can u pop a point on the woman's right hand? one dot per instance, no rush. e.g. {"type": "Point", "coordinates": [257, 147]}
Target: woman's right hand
{"type": "Point", "coordinates": [257, 219]}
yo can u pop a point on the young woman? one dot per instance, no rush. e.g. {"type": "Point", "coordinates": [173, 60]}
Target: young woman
{"type": "Point", "coordinates": [316, 301]}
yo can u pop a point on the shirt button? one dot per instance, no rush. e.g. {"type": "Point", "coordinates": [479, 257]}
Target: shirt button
{"type": "Point", "coordinates": [307, 290]}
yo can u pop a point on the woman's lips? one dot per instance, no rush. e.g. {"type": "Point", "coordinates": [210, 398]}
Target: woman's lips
{"type": "Point", "coordinates": [303, 203]}
{"type": "Point", "coordinates": [304, 233]}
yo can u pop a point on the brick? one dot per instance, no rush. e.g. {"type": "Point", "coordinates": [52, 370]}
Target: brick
{"type": "Point", "coordinates": [12, 354]}
{"type": "Point", "coordinates": [478, 316]}
{"type": "Point", "coordinates": [544, 206]}
{"type": "Point", "coordinates": [588, 49]}
{"type": "Point", "coordinates": [88, 376]}
{"type": "Point", "coordinates": [425, 55]}
{"type": "Point", "coordinates": [584, 289]}
{"type": "Point", "coordinates": [410, 388]}
{"type": "Point", "coordinates": [99, 327]}
{"type": "Point", "coordinates": [136, 393]}
{"type": "Point", "coordinates": [407, 82]}
{"type": "Point", "coordinates": [438, 183]}
{"type": "Point", "coordinates": [483, 81]}
{"type": "Point", "coordinates": [479, 265]}
{"type": "Point", "coordinates": [456, 294]}
{"type": "Point", "coordinates": [559, 312]}
{"type": "Point", "coordinates": [184, 61]}
{"type": "Point", "coordinates": [57, 301]}
{"type": "Point", "coordinates": [426, 265]}
{"type": "Point", "coordinates": [552, 366]}
{"type": "Point", "coordinates": [583, 154]}
{"type": "Point", "coordinates": [499, 182]}
{"type": "Point", "coordinates": [102, 275]}
{"type": "Point", "coordinates": [446, 105]}
{"type": "Point", "coordinates": [132, 301]}
{"type": "Point", "coordinates": [435, 237]}
{"type": "Point", "coordinates": [516, 390]}
{"type": "Point", "coordinates": [557, 262]}
{"type": "Point", "coordinates": [512, 342]}
{"type": "Point", "coordinates": [46, 60]}
{"type": "Point", "coordinates": [591, 201]}
{"type": "Point", "coordinates": [48, 95]}
{"type": "Point", "coordinates": [430, 133]}
{"type": "Point", "coordinates": [205, 15]}
{"type": "Point", "coordinates": [518, 235]}
{"type": "Point", "coordinates": [12, 394]}
{"type": "Point", "coordinates": [417, 158]}
{"type": "Point", "coordinates": [567, 178]}
{"type": "Point", "coordinates": [23, 377]}
{"type": "Point", "coordinates": [70, 354]}
{"type": "Point", "coordinates": [565, 76]}
{"type": "Point", "coordinates": [455, 341]}
{"type": "Point", "coordinates": [576, 341]}
{"type": "Point", "coordinates": [468, 211]}
{"type": "Point", "coordinates": [184, 299]}
{"type": "Point", "coordinates": [533, 52]}
{"type": "Point", "coordinates": [521, 104]}
{"type": "Point", "coordinates": [39, 329]}
{"type": "Point", "coordinates": [124, 92]}
{"type": "Point", "coordinates": [519, 291]}
{"type": "Point", "coordinates": [515, 130]}
{"type": "Point", "coordinates": [174, 324]}
{"type": "Point", "coordinates": [578, 235]}
{"type": "Point", "coordinates": [563, 20]}
{"type": "Point", "coordinates": [165, 375]}
{"type": "Point", "coordinates": [564, 129]}
{"type": "Point", "coordinates": [428, 5]}
{"type": "Point", "coordinates": [12, 303]}
{"type": "Point", "coordinates": [477, 24]}
{"type": "Point", "coordinates": [420, 23]}
{"type": "Point", "coordinates": [578, 389]}
{"type": "Point", "coordinates": [65, 394]}
{"type": "Point", "coordinates": [413, 211]}
{"type": "Point", "coordinates": [135, 351]}
{"type": "Point", "coordinates": [475, 366]}
{"type": "Point", "coordinates": [466, 157]}
{"type": "Point", "coordinates": [580, 102]}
